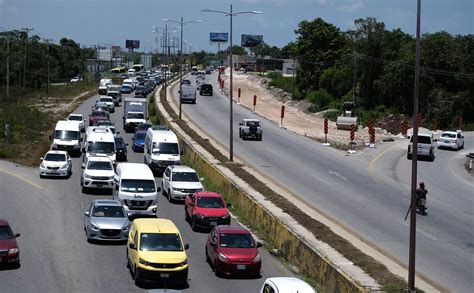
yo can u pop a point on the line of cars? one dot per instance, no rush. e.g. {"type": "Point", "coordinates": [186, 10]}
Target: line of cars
{"type": "Point", "coordinates": [450, 139]}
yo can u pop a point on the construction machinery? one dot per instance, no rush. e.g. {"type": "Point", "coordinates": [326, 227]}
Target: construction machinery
{"type": "Point", "coordinates": [348, 116]}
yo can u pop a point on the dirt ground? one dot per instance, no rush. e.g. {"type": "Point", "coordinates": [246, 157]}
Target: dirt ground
{"type": "Point", "coordinates": [296, 120]}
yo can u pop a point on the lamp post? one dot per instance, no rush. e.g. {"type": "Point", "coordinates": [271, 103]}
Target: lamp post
{"type": "Point", "coordinates": [181, 23]}
{"type": "Point", "coordinates": [230, 13]}
{"type": "Point", "coordinates": [7, 97]}
{"type": "Point", "coordinates": [47, 61]}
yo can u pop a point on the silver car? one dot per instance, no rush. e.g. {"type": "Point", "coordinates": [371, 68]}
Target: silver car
{"type": "Point", "coordinates": [106, 220]}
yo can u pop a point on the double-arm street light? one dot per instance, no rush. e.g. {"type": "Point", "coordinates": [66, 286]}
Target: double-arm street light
{"type": "Point", "coordinates": [181, 23]}
{"type": "Point", "coordinates": [165, 47]}
{"type": "Point", "coordinates": [230, 13]}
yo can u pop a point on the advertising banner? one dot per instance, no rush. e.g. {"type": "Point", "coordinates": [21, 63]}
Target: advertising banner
{"type": "Point", "coordinates": [219, 37]}
{"type": "Point", "coordinates": [132, 44]}
{"type": "Point", "coordinates": [250, 41]}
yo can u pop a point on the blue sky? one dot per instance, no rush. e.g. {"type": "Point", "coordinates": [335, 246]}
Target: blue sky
{"type": "Point", "coordinates": [92, 22]}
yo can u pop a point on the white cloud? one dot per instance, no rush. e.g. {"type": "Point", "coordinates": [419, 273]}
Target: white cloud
{"type": "Point", "coordinates": [352, 6]}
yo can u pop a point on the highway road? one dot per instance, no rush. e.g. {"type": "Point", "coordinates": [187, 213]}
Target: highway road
{"type": "Point", "coordinates": [349, 189]}
{"type": "Point", "coordinates": [55, 256]}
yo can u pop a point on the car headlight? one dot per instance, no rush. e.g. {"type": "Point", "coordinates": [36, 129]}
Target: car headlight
{"type": "Point", "coordinates": [177, 189]}
{"type": "Point", "coordinates": [87, 176]}
{"type": "Point", "coordinates": [64, 166]}
{"type": "Point", "coordinates": [126, 227]}
{"type": "Point", "coordinates": [13, 251]}
{"type": "Point", "coordinates": [199, 216]}
{"type": "Point", "coordinates": [183, 263]}
{"type": "Point", "coordinates": [42, 166]}
{"type": "Point", "coordinates": [257, 258]}
{"type": "Point", "coordinates": [226, 217]}
{"type": "Point", "coordinates": [142, 261]}
{"type": "Point", "coordinates": [94, 227]}
{"type": "Point", "coordinates": [223, 257]}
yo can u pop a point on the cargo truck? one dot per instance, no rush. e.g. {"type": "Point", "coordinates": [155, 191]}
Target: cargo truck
{"type": "Point", "coordinates": [135, 111]}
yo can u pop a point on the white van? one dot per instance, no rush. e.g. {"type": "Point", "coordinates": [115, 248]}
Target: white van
{"type": "Point", "coordinates": [103, 83]}
{"type": "Point", "coordinates": [99, 140]}
{"type": "Point", "coordinates": [129, 82]}
{"type": "Point", "coordinates": [135, 188]}
{"type": "Point", "coordinates": [131, 72]}
{"type": "Point", "coordinates": [67, 136]}
{"type": "Point", "coordinates": [161, 148]}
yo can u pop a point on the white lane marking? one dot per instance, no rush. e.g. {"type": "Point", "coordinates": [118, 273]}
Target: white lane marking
{"type": "Point", "coordinates": [273, 152]}
{"type": "Point", "coordinates": [337, 175]}
{"type": "Point", "coordinates": [322, 180]}
{"type": "Point", "coordinates": [419, 231]}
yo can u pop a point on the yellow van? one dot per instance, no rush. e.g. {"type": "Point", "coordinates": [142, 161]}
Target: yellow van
{"type": "Point", "coordinates": [155, 252]}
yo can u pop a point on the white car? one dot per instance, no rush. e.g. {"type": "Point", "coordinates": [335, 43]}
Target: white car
{"type": "Point", "coordinates": [79, 118]}
{"type": "Point", "coordinates": [451, 139]}
{"type": "Point", "coordinates": [75, 79]}
{"type": "Point", "coordinates": [98, 172]}
{"type": "Point", "coordinates": [179, 181]}
{"type": "Point", "coordinates": [109, 101]}
{"type": "Point", "coordinates": [286, 285]}
{"type": "Point", "coordinates": [425, 147]}
{"type": "Point", "coordinates": [56, 163]}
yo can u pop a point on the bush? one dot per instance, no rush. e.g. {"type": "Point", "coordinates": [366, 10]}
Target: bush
{"type": "Point", "coordinates": [321, 99]}
{"type": "Point", "coordinates": [332, 114]}
{"type": "Point", "coordinates": [284, 83]}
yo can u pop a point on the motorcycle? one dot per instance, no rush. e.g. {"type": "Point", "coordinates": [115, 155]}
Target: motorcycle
{"type": "Point", "coordinates": [421, 206]}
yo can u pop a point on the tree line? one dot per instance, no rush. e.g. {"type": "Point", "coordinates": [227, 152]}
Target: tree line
{"type": "Point", "coordinates": [375, 67]}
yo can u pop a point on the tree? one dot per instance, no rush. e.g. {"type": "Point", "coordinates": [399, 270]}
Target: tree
{"type": "Point", "coordinates": [318, 43]}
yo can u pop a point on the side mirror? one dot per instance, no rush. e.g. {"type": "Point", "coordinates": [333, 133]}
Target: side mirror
{"type": "Point", "coordinates": [259, 244]}
{"type": "Point", "coordinates": [126, 144]}
{"type": "Point", "coordinates": [118, 132]}
{"type": "Point", "coordinates": [83, 150]}
{"type": "Point", "coordinates": [179, 92]}
{"type": "Point", "coordinates": [201, 179]}
{"type": "Point", "coordinates": [50, 137]}
{"type": "Point", "coordinates": [212, 243]}
{"type": "Point", "coordinates": [17, 235]}
{"type": "Point", "coordinates": [181, 152]}
{"type": "Point", "coordinates": [186, 246]}
{"type": "Point", "coordinates": [41, 158]}
{"type": "Point", "coordinates": [133, 138]}
{"type": "Point", "coordinates": [131, 246]}
{"type": "Point", "coordinates": [86, 213]}
{"type": "Point", "coordinates": [81, 139]}
{"type": "Point", "coordinates": [241, 124]}
{"type": "Point", "coordinates": [191, 204]}
{"type": "Point", "coordinates": [229, 204]}
{"type": "Point", "coordinates": [83, 166]}
{"type": "Point", "coordinates": [158, 189]}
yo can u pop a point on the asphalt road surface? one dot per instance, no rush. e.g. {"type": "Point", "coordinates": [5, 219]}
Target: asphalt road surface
{"type": "Point", "coordinates": [350, 189]}
{"type": "Point", "coordinates": [55, 256]}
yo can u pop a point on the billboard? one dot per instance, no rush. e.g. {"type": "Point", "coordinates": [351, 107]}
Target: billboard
{"type": "Point", "coordinates": [219, 37]}
{"type": "Point", "coordinates": [250, 41]}
{"type": "Point", "coordinates": [132, 44]}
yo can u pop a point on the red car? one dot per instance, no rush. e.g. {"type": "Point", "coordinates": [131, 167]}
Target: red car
{"type": "Point", "coordinates": [9, 251]}
{"type": "Point", "coordinates": [96, 116]}
{"type": "Point", "coordinates": [231, 250]}
{"type": "Point", "coordinates": [206, 209]}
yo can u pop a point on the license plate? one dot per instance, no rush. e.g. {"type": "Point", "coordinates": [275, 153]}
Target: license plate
{"type": "Point", "coordinates": [213, 223]}
{"type": "Point", "coordinates": [241, 267]}
{"type": "Point", "coordinates": [165, 275]}
{"type": "Point", "coordinates": [99, 184]}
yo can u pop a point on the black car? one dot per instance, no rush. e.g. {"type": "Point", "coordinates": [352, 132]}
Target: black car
{"type": "Point", "coordinates": [206, 89]}
{"type": "Point", "coordinates": [120, 148]}
{"type": "Point", "coordinates": [141, 90]}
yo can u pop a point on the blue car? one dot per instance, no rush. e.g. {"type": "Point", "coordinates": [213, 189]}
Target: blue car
{"type": "Point", "coordinates": [138, 141]}
{"type": "Point", "coordinates": [126, 89]}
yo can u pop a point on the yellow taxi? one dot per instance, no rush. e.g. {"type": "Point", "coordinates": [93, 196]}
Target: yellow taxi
{"type": "Point", "coordinates": [156, 253]}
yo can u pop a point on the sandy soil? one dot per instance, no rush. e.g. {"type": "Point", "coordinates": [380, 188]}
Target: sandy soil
{"type": "Point", "coordinates": [308, 124]}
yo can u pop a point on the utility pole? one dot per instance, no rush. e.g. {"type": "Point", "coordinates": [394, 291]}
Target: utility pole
{"type": "Point", "coordinates": [8, 68]}
{"type": "Point", "coordinates": [27, 30]}
{"type": "Point", "coordinates": [47, 60]}
{"type": "Point", "coordinates": [165, 52]}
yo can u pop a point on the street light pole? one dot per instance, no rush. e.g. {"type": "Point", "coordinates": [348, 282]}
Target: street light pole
{"type": "Point", "coordinates": [181, 23]}
{"type": "Point", "coordinates": [414, 162]}
{"type": "Point", "coordinates": [231, 13]}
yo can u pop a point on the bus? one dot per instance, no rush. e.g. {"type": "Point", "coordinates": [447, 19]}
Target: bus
{"type": "Point", "coordinates": [138, 67]}
{"type": "Point", "coordinates": [119, 69]}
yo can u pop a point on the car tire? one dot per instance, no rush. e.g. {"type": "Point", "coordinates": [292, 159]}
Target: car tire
{"type": "Point", "coordinates": [126, 258]}
{"type": "Point", "coordinates": [169, 195]}
{"type": "Point", "coordinates": [193, 225]}
{"type": "Point", "coordinates": [186, 216]}
{"type": "Point", "coordinates": [259, 138]}
{"type": "Point", "coordinates": [163, 189]}
{"type": "Point", "coordinates": [409, 156]}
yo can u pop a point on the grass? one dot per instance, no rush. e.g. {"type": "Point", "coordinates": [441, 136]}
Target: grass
{"type": "Point", "coordinates": [372, 267]}
{"type": "Point", "coordinates": [284, 83]}
{"type": "Point", "coordinates": [32, 119]}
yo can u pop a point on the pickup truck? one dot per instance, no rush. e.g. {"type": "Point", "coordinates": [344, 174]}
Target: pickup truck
{"type": "Point", "coordinates": [250, 128]}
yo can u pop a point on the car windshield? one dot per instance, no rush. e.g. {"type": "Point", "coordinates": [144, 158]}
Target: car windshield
{"type": "Point", "coordinates": [253, 123]}
{"type": "Point", "coordinates": [106, 100]}
{"type": "Point", "coordinates": [185, 177]}
{"type": "Point", "coordinates": [6, 233]}
{"type": "Point", "coordinates": [66, 134]}
{"type": "Point", "coordinates": [138, 185]}
{"type": "Point", "coordinates": [236, 240]}
{"type": "Point", "coordinates": [105, 123]}
{"type": "Point", "coordinates": [165, 148]}
{"type": "Point", "coordinates": [55, 157]}
{"type": "Point", "coordinates": [144, 126]}
{"type": "Point", "coordinates": [75, 118]}
{"type": "Point", "coordinates": [448, 135]}
{"type": "Point", "coordinates": [99, 113]}
{"type": "Point", "coordinates": [136, 115]}
{"type": "Point", "coordinates": [108, 211]}
{"type": "Point", "coordinates": [101, 147]}
{"type": "Point", "coordinates": [99, 165]}
{"type": "Point", "coordinates": [422, 139]}
{"type": "Point", "coordinates": [140, 135]}
{"type": "Point", "coordinates": [210, 202]}
{"type": "Point", "coordinates": [160, 242]}
{"type": "Point", "coordinates": [206, 87]}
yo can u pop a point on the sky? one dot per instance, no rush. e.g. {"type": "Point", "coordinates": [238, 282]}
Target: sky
{"type": "Point", "coordinates": [111, 22]}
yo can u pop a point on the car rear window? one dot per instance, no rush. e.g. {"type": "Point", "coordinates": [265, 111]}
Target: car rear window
{"type": "Point", "coordinates": [422, 139]}
{"type": "Point", "coordinates": [448, 135]}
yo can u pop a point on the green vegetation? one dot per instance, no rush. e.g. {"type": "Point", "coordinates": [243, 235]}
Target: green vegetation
{"type": "Point", "coordinates": [154, 119]}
